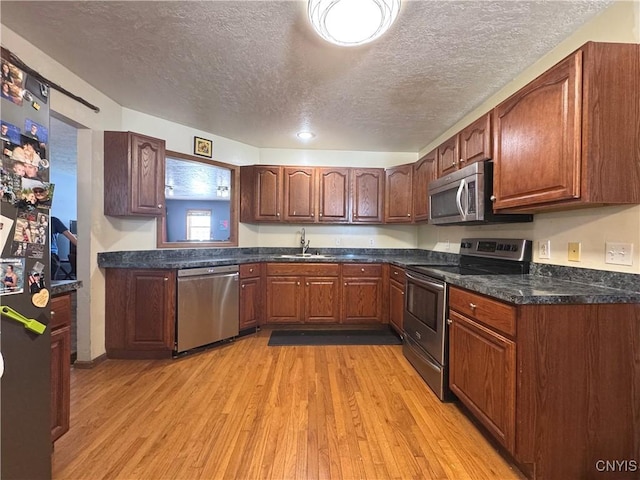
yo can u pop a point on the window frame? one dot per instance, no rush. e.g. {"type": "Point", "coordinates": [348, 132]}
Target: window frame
{"type": "Point", "coordinates": [234, 207]}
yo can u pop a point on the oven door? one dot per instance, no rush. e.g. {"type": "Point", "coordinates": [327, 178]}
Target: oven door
{"type": "Point", "coordinates": [424, 314]}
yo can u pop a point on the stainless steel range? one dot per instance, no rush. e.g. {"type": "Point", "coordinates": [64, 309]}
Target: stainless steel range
{"type": "Point", "coordinates": [426, 301]}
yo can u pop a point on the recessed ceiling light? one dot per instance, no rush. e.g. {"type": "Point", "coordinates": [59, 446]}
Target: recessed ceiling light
{"type": "Point", "coordinates": [306, 135]}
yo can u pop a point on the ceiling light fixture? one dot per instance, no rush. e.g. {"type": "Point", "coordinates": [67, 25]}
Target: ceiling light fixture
{"type": "Point", "coordinates": [305, 135]}
{"type": "Point", "coordinates": [352, 22]}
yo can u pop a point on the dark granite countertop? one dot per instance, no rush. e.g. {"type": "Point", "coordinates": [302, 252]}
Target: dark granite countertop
{"type": "Point", "coordinates": [64, 286]}
{"type": "Point", "coordinates": [545, 285]}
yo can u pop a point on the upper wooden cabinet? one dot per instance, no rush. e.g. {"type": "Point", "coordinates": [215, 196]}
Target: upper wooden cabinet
{"type": "Point", "coordinates": [367, 195]}
{"type": "Point", "coordinates": [398, 194]}
{"type": "Point", "coordinates": [299, 194]}
{"type": "Point", "coordinates": [472, 144]}
{"type": "Point", "coordinates": [570, 137]}
{"type": "Point", "coordinates": [311, 194]}
{"type": "Point", "coordinates": [133, 174]}
{"type": "Point", "coordinates": [333, 194]}
{"type": "Point", "coordinates": [424, 171]}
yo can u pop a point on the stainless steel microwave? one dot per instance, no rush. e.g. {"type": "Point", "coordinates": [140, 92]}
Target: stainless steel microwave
{"type": "Point", "coordinates": [464, 197]}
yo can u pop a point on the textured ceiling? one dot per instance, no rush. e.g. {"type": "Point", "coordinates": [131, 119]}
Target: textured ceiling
{"type": "Point", "coordinates": [257, 73]}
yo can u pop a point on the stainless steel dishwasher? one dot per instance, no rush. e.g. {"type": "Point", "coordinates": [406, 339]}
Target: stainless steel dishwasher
{"type": "Point", "coordinates": [208, 306]}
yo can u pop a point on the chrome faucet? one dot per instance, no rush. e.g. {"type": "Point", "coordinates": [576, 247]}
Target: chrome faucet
{"type": "Point", "coordinates": [305, 246]}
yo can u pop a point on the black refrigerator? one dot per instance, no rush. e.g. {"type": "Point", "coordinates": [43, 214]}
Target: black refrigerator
{"type": "Point", "coordinates": [25, 339]}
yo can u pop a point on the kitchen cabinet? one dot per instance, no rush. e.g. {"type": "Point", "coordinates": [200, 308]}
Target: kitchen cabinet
{"type": "Point", "coordinates": [333, 194]}
{"type": "Point", "coordinates": [482, 361]}
{"type": "Point", "coordinates": [569, 138]}
{"type": "Point", "coordinates": [367, 195]}
{"type": "Point", "coordinates": [472, 144]}
{"type": "Point", "coordinates": [133, 174]}
{"type": "Point", "coordinates": [303, 293]}
{"type": "Point", "coordinates": [424, 171]}
{"type": "Point", "coordinates": [60, 328]}
{"type": "Point", "coordinates": [362, 293]}
{"type": "Point", "coordinates": [396, 298]}
{"type": "Point", "coordinates": [448, 156]}
{"type": "Point", "coordinates": [299, 194]}
{"type": "Point", "coordinates": [398, 201]}
{"type": "Point", "coordinates": [551, 383]}
{"type": "Point", "coordinates": [260, 193]}
{"type": "Point", "coordinates": [140, 313]}
{"type": "Point", "coordinates": [251, 293]}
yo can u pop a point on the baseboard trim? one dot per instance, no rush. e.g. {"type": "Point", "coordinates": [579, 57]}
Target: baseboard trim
{"type": "Point", "coordinates": [91, 363]}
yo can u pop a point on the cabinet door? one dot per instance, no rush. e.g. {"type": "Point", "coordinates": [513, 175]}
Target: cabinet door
{"type": "Point", "coordinates": [538, 137]}
{"type": "Point", "coordinates": [448, 156]}
{"type": "Point", "coordinates": [475, 141]}
{"type": "Point", "coordinates": [322, 300]}
{"type": "Point", "coordinates": [133, 174]}
{"type": "Point", "coordinates": [147, 175]}
{"type": "Point", "coordinates": [482, 373]}
{"type": "Point", "coordinates": [398, 195]}
{"type": "Point", "coordinates": [150, 316]}
{"type": "Point", "coordinates": [367, 195]}
{"type": "Point", "coordinates": [60, 381]}
{"type": "Point", "coordinates": [362, 300]}
{"type": "Point", "coordinates": [250, 304]}
{"type": "Point", "coordinates": [284, 300]}
{"type": "Point", "coordinates": [333, 193]}
{"type": "Point", "coordinates": [299, 194]}
{"type": "Point", "coordinates": [268, 193]}
{"type": "Point", "coordinates": [424, 171]}
{"type": "Point", "coordinates": [396, 305]}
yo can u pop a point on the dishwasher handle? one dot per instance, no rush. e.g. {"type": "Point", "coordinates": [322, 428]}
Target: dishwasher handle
{"type": "Point", "coordinates": [201, 271]}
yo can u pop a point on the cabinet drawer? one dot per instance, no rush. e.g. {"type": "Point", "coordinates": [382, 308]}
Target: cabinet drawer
{"type": "Point", "coordinates": [361, 270]}
{"type": "Point", "coordinates": [396, 273]}
{"type": "Point", "coordinates": [315, 269]}
{"type": "Point", "coordinates": [493, 313]}
{"type": "Point", "coordinates": [249, 270]}
{"type": "Point", "coordinates": [60, 311]}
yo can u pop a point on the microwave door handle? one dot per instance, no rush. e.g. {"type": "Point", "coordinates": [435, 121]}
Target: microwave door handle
{"type": "Point", "coordinates": [461, 188]}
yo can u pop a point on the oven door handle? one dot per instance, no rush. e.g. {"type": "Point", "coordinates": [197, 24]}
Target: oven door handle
{"type": "Point", "coordinates": [423, 281]}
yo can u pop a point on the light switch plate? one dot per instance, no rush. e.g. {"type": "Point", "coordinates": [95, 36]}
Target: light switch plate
{"type": "Point", "coordinates": [618, 253]}
{"type": "Point", "coordinates": [544, 249]}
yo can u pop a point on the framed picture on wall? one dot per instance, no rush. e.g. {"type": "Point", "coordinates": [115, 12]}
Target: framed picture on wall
{"type": "Point", "coordinates": [203, 147]}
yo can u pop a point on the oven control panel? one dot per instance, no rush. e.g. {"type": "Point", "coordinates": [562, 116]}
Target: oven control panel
{"type": "Point", "coordinates": [506, 248]}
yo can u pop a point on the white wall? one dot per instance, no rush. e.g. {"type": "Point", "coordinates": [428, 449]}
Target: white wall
{"type": "Point", "coordinates": [593, 226]}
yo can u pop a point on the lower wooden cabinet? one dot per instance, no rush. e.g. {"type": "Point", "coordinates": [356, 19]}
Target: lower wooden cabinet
{"type": "Point", "coordinates": [396, 298]}
{"type": "Point", "coordinates": [60, 326]}
{"type": "Point", "coordinates": [362, 293]}
{"type": "Point", "coordinates": [303, 293]}
{"type": "Point", "coordinates": [251, 294]}
{"type": "Point", "coordinates": [482, 373]}
{"type": "Point", "coordinates": [140, 313]}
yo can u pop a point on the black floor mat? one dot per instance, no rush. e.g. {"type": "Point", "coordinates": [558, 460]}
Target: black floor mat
{"type": "Point", "coordinates": [333, 337]}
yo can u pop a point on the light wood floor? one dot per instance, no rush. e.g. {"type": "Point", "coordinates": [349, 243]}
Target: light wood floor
{"type": "Point", "coordinates": [249, 411]}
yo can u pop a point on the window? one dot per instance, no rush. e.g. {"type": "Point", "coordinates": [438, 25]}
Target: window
{"type": "Point", "coordinates": [201, 203]}
{"type": "Point", "coordinates": [199, 225]}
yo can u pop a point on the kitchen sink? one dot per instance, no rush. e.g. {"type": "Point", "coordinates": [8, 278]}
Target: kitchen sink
{"type": "Point", "coordinates": [305, 255]}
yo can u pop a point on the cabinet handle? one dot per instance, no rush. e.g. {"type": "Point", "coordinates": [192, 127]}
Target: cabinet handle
{"type": "Point", "coordinates": [395, 272]}
{"type": "Point", "coordinates": [449, 321]}
{"type": "Point", "coordinates": [362, 269]}
{"type": "Point", "coordinates": [307, 284]}
{"type": "Point", "coordinates": [298, 283]}
{"type": "Point", "coordinates": [278, 214]}
{"type": "Point", "coordinates": [408, 214]}
{"type": "Point", "coordinates": [493, 198]}
{"type": "Point", "coordinates": [243, 285]}
{"type": "Point", "coordinates": [345, 284]}
{"type": "Point", "coordinates": [313, 215]}
{"type": "Point", "coordinates": [251, 270]}
{"type": "Point", "coordinates": [453, 163]}
{"type": "Point", "coordinates": [166, 279]}
{"type": "Point", "coordinates": [159, 205]}
{"type": "Point", "coordinates": [460, 161]}
{"type": "Point", "coordinates": [320, 215]}
{"type": "Point", "coordinates": [53, 313]}
{"type": "Point", "coordinates": [472, 305]}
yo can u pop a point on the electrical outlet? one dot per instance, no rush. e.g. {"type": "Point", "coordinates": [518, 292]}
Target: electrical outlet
{"type": "Point", "coordinates": [617, 253]}
{"type": "Point", "coordinates": [573, 253]}
{"type": "Point", "coordinates": [372, 242]}
{"type": "Point", "coordinates": [338, 241]}
{"type": "Point", "coordinates": [544, 249]}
